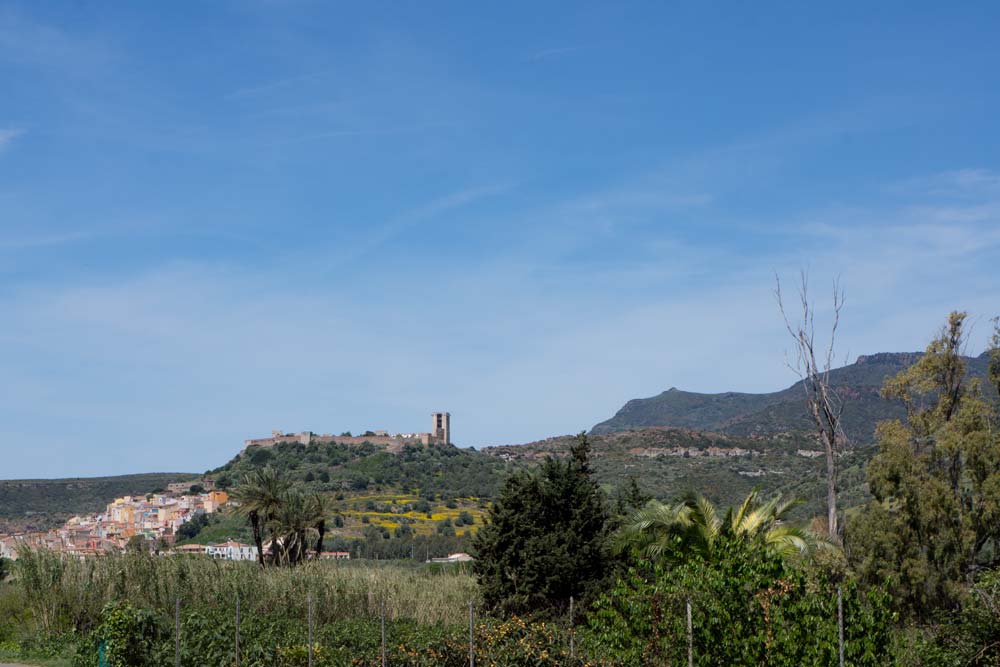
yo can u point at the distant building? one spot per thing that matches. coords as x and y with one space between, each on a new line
190 550
335 555
459 557
441 427
440 433
183 487
231 550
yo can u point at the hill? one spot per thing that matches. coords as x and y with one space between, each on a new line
39 504
754 415
436 469
666 462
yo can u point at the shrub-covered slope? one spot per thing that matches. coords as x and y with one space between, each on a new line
765 414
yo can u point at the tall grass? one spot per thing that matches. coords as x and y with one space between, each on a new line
67 594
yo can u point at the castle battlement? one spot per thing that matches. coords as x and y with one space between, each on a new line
440 434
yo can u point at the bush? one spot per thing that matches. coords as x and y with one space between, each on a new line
126 637
748 608
968 637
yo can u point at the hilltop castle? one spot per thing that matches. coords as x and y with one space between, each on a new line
440 434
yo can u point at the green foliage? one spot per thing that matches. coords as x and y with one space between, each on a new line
667 463
936 481
545 538
66 595
749 607
331 466
969 637
695 526
190 530
126 635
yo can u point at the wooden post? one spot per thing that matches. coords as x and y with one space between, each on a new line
310 603
572 630
840 625
237 630
472 635
384 659
690 635
177 633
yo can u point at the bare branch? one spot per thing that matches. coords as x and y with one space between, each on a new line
824 405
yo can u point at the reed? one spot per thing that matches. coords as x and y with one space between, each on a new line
66 594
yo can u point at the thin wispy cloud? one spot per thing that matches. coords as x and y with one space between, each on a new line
968 182
7 137
33 43
403 222
27 242
278 85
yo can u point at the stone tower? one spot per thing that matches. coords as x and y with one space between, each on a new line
441 427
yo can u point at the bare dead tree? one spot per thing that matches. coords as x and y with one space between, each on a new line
824 405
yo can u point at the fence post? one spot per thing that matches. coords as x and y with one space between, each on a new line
840 625
472 635
572 631
177 633
690 635
309 598
237 630
384 660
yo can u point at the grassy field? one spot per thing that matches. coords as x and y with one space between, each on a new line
49 610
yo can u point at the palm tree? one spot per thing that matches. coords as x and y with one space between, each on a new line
260 498
291 526
319 507
693 527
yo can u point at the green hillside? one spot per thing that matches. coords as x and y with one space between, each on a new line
668 462
443 470
38 504
767 414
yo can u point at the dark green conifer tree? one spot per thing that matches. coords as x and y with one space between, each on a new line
545 538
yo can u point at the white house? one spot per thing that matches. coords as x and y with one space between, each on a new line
453 558
231 551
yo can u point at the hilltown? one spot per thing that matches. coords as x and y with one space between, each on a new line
154 518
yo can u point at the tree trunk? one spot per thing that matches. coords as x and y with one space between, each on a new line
321 528
257 537
831 488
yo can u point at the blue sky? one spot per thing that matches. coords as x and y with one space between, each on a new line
222 218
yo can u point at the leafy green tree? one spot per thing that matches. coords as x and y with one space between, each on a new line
694 527
749 607
190 529
545 537
968 637
630 498
935 519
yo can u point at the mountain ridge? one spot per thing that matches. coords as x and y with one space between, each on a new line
762 414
